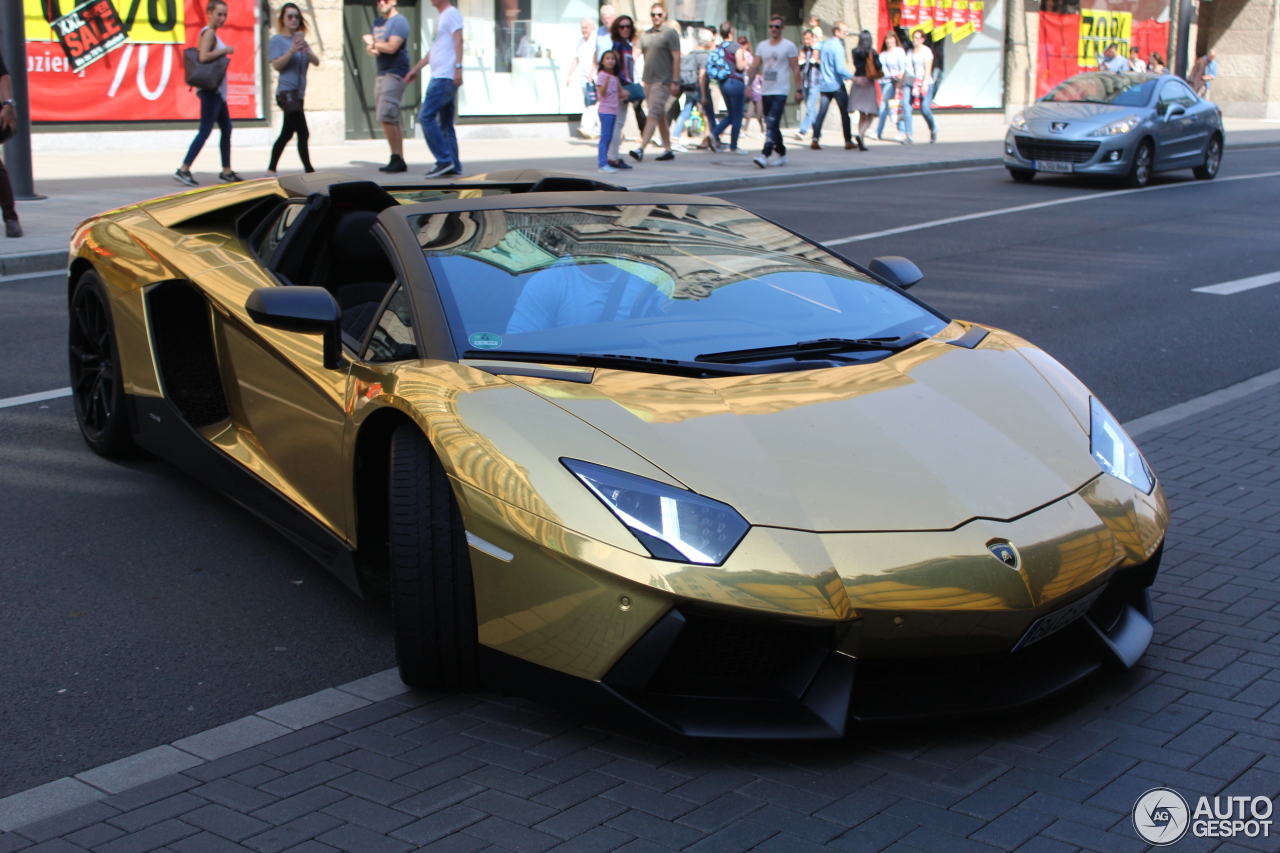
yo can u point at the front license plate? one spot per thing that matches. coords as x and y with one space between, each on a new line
1057 620
1052 166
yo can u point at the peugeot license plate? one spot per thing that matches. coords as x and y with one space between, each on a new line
1052 166
1057 620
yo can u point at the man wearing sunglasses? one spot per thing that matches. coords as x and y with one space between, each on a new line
774 59
661 48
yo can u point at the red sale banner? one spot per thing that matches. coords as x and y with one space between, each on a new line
142 81
975 14
910 14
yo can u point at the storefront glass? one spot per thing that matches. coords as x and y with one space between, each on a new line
967 38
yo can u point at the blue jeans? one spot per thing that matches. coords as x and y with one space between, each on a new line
436 118
841 97
887 91
690 99
606 136
773 107
926 110
734 92
811 97
212 110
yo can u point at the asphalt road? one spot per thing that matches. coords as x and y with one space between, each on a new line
138 607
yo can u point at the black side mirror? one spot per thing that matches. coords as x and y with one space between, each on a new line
306 310
896 270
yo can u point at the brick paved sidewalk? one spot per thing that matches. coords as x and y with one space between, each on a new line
472 771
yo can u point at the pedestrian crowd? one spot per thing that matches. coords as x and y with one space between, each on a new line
292 56
702 92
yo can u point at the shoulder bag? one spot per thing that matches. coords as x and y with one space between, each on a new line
874 70
204 75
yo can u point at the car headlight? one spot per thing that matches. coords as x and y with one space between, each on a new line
1114 451
673 524
1019 122
1116 128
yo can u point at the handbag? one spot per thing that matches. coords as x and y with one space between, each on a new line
290 101
635 92
204 75
588 94
874 69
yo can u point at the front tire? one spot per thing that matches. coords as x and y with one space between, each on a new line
1212 160
1143 160
97 383
433 599
1022 176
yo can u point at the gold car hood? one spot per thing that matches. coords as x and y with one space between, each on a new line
925 440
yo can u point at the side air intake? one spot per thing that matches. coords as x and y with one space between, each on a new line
182 335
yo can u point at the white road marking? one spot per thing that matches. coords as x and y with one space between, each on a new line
39 397
850 180
1106 194
1241 284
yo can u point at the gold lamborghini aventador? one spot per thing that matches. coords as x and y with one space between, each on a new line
650 452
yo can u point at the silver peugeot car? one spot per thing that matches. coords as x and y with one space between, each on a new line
1127 125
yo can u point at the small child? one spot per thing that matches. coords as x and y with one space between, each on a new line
609 98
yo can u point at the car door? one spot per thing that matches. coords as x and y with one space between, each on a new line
1175 130
288 407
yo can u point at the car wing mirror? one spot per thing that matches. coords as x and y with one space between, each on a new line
1174 111
305 310
897 271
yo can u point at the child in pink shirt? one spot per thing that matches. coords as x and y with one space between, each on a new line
609 96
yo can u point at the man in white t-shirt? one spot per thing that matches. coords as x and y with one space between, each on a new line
778 65
581 74
439 103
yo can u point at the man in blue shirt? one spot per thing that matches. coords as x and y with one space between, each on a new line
1114 62
568 293
389 45
835 73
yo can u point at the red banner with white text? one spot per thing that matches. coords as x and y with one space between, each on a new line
142 80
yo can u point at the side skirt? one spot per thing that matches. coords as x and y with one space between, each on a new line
161 429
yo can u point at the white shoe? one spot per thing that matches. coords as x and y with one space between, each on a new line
780 161
608 170
760 161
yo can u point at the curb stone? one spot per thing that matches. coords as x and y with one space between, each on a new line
33 262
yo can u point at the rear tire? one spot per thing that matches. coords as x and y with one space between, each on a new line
1141 170
1022 176
97 383
433 599
1212 160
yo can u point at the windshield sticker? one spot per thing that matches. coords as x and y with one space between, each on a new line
485 340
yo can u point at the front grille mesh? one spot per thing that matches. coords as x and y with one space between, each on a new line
1061 151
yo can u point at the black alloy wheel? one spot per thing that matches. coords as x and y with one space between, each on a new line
97 385
1212 160
1140 173
433 598
1022 176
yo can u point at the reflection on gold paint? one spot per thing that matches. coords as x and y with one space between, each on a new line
819 595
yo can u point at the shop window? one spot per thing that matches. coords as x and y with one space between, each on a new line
967 38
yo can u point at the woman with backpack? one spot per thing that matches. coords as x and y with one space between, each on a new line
862 97
290 55
213 102
725 66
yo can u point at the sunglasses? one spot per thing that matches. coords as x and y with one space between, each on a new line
624 26
775 26
657 14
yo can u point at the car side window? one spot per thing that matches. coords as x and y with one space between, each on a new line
273 231
392 338
1175 93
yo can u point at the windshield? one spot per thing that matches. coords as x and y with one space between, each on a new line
1121 90
654 281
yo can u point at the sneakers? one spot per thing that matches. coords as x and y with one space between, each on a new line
230 178
737 151
608 170
715 144
396 164
183 176
780 161
933 136
620 165
636 154
442 170
815 146
666 155
907 140
12 228
760 161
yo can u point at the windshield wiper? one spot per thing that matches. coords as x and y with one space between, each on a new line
811 349
644 364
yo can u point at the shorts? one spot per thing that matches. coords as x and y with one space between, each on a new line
656 96
388 90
